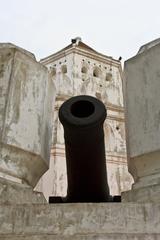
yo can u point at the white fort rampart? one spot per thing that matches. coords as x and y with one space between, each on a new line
22 214
26 98
141 94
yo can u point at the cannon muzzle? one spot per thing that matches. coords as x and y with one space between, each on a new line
82 118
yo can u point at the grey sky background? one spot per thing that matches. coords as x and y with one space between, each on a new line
112 27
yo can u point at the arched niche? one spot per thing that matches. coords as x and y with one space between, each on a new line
64 69
84 70
96 72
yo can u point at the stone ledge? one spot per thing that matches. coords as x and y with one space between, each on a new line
86 219
143 194
115 236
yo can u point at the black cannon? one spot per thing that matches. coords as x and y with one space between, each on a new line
82 118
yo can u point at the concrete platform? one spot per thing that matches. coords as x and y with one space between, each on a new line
101 221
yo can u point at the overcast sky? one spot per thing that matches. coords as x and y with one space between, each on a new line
112 27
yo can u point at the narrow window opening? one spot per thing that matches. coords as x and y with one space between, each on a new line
64 69
117 128
96 72
108 77
52 71
84 69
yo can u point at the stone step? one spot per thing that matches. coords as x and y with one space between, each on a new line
135 221
108 236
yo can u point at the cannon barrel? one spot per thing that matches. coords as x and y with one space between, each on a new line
82 118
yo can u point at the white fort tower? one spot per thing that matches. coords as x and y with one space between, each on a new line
80 70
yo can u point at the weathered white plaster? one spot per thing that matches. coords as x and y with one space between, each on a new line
142 87
26 100
91 73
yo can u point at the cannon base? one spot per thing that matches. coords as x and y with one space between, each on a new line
58 199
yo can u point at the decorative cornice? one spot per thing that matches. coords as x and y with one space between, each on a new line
97 56
63 97
108 160
115 118
116 162
62 149
117 155
115 108
109 116
109 106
